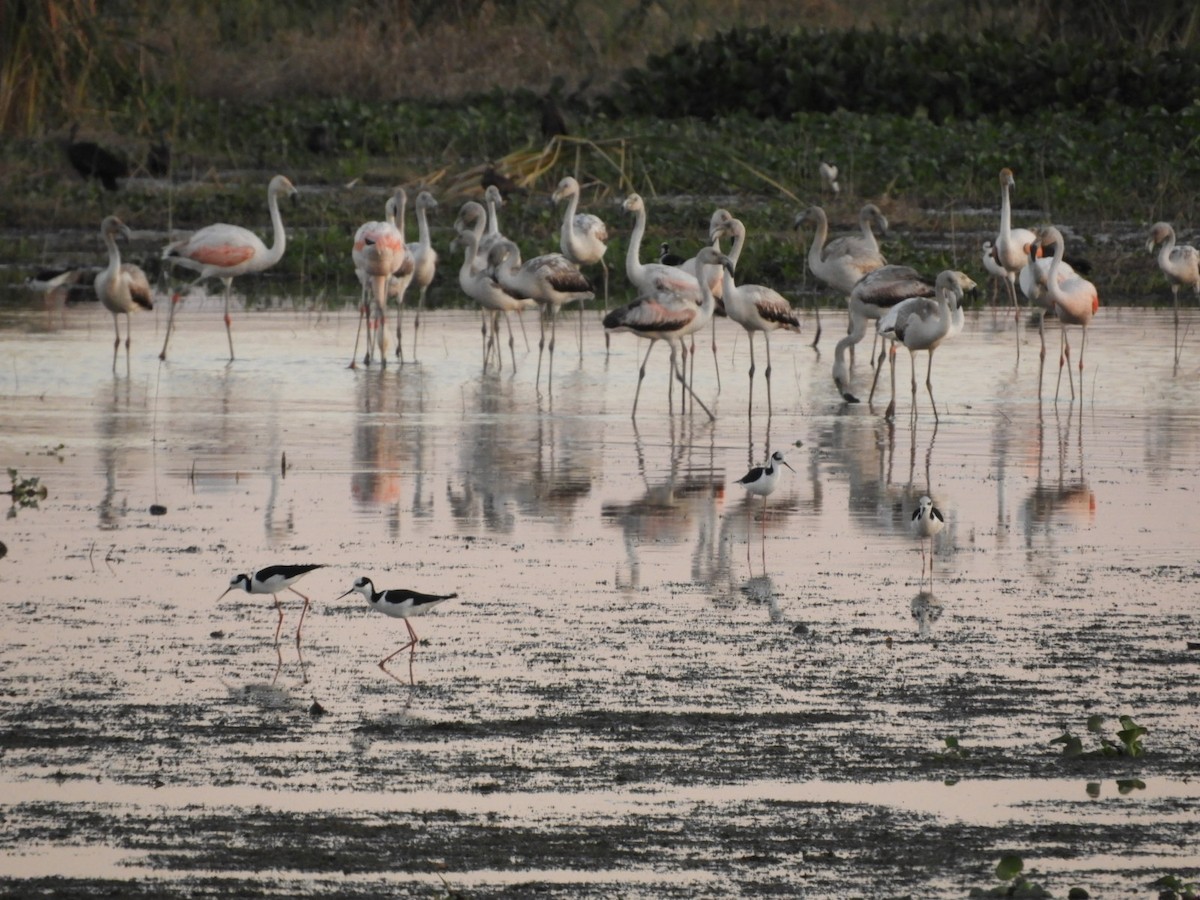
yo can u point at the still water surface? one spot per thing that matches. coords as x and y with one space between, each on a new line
602 565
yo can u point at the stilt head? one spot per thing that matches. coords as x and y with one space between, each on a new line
778 460
361 585
242 581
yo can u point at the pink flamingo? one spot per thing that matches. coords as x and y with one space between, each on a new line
668 313
379 254
424 259
226 251
122 287
1075 301
1181 265
1011 249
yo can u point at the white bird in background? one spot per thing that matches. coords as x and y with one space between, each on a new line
424 258
651 277
379 254
667 315
757 308
927 523
583 237
122 287
1075 301
226 251
1180 263
1012 244
840 263
478 284
550 280
876 293
922 323
720 224
996 272
829 175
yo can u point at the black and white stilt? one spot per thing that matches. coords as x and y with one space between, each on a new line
272 580
399 604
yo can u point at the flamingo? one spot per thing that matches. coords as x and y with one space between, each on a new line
757 308
669 314
650 277
550 280
721 224
226 251
991 265
842 262
922 323
876 293
868 215
379 254
583 237
424 258
1075 301
1012 244
480 286
1181 265
122 287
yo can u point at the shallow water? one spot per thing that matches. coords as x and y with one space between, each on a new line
637 664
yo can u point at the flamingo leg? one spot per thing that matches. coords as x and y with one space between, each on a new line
417 318
716 362
553 338
511 343
641 378
228 322
767 341
607 335
1062 341
117 341
537 380
175 298
684 386
750 405
878 365
891 408
362 313
929 385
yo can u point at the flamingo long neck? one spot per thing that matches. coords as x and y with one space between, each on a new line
423 227
739 241
1166 249
114 256
493 221
708 301
279 242
729 292
1052 286
1005 210
401 212
816 250
572 208
633 262
470 250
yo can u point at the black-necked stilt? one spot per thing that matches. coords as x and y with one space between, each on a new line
272 580
762 480
399 604
927 521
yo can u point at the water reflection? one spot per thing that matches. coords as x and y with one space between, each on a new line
686 498
926 609
1065 498
506 468
121 428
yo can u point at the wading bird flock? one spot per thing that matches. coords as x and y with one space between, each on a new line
674 297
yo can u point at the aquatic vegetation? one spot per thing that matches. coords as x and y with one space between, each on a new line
1128 741
1172 887
26 493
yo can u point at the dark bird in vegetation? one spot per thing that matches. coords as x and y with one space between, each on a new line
667 258
319 139
501 182
553 123
158 157
91 160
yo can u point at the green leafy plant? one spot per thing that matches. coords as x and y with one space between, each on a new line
1128 741
1009 870
1175 887
26 493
